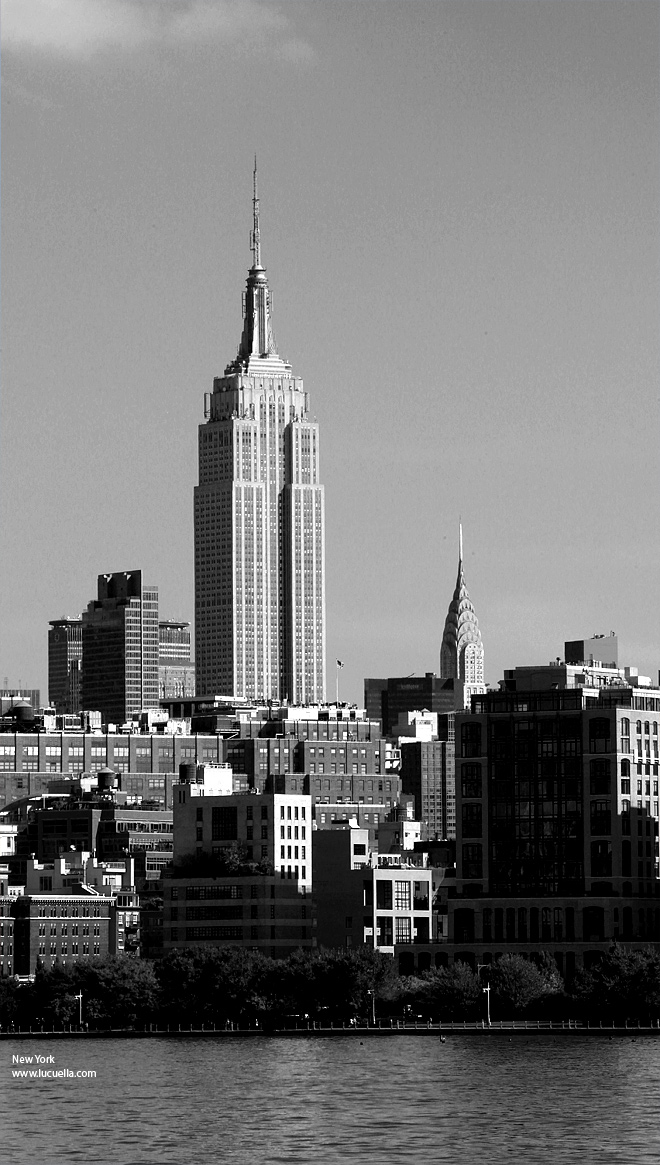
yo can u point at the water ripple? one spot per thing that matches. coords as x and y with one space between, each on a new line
336 1101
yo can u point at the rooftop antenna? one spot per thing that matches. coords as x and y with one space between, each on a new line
255 241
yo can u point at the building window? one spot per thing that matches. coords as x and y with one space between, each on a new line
599 735
599 777
384 894
402 896
601 859
472 861
403 930
224 823
558 925
470 740
487 924
471 820
471 781
601 817
384 933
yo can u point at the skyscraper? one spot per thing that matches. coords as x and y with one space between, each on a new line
176 672
259 521
64 663
462 650
120 647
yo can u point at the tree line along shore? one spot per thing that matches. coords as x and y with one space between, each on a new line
231 986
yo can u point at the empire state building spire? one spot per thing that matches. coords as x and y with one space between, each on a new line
259 521
462 650
256 236
257 352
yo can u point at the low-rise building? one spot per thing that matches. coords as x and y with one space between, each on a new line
242 873
274 828
62 927
259 911
74 908
366 898
147 763
338 814
6 931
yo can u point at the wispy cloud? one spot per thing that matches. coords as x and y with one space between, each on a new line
82 28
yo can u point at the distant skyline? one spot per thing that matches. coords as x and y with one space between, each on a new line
459 220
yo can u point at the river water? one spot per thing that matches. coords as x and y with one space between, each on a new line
481 1097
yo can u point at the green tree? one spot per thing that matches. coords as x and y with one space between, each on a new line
331 985
117 992
517 983
455 992
230 862
624 985
15 1003
213 984
413 992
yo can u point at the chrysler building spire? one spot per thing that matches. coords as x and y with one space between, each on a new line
462 650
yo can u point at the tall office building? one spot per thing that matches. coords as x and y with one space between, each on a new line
259 521
64 664
176 671
173 641
462 650
120 647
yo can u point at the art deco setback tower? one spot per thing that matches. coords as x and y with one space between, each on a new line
462 650
259 521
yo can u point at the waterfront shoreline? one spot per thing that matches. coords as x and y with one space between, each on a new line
504 1027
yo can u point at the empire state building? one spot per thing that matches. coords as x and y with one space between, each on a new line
259 521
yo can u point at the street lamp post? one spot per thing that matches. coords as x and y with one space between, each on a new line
486 991
79 998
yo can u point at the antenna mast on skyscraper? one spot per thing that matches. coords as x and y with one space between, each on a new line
255 241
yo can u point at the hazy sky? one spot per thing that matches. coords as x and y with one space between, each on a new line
460 226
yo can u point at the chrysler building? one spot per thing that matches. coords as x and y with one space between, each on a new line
259 521
462 650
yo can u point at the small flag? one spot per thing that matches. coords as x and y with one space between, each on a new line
339 663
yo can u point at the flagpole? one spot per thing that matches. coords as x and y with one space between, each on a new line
338 666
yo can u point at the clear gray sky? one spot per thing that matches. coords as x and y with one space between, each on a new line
460 225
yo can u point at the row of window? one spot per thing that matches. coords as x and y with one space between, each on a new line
64 929
646 727
390 931
600 813
288 855
599 779
63 949
60 911
296 831
553 924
